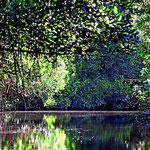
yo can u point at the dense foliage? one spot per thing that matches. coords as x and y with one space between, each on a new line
66 27
74 54
98 83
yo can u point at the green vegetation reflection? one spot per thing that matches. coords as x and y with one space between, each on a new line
65 132
43 138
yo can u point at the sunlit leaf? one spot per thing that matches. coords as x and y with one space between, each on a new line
115 9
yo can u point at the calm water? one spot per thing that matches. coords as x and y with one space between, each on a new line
43 131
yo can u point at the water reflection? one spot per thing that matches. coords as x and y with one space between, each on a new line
41 131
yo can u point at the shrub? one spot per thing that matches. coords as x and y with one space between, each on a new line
92 86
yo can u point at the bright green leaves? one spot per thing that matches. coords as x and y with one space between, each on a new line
23 4
118 17
111 5
115 10
45 16
95 35
7 2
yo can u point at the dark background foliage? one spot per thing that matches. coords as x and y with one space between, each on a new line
100 83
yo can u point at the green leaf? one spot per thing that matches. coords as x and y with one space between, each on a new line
120 17
7 2
45 16
23 4
30 1
130 29
111 5
142 54
115 10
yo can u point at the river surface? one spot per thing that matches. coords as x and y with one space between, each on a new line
73 131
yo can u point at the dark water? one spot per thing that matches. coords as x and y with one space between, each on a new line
43 131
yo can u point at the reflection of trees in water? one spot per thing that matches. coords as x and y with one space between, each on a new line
122 132
37 130
32 131
139 138
15 125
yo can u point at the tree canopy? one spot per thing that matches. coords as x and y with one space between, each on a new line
55 27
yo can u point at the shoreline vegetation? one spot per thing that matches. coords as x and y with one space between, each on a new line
74 55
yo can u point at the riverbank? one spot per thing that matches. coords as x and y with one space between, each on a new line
77 111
